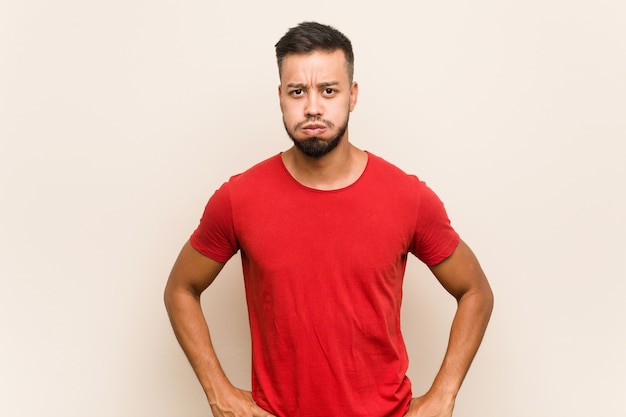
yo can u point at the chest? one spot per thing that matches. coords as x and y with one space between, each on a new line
365 232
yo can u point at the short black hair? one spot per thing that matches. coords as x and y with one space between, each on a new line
312 36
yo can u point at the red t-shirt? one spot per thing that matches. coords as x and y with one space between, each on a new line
323 273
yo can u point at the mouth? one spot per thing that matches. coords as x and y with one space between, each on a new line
313 128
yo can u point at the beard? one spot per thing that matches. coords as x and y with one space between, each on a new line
316 147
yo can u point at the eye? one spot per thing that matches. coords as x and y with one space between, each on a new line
329 91
297 92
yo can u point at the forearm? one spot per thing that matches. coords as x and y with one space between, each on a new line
193 334
467 331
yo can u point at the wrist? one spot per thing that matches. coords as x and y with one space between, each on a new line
216 386
445 392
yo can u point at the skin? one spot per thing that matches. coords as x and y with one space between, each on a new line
316 96
317 87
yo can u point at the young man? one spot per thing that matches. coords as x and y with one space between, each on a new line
324 231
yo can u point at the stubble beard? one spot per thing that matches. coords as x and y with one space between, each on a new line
316 147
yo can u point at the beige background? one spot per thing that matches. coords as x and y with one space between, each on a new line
118 119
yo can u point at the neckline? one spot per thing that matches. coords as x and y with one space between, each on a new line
317 190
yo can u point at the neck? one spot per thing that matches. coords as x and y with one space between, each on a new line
338 169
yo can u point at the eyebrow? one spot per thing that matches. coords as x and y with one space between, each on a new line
303 86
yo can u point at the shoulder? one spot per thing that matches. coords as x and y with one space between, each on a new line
270 165
394 183
259 181
383 171
257 175
249 178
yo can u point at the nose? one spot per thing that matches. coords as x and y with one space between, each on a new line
313 106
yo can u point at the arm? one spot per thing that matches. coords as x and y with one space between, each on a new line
462 276
191 275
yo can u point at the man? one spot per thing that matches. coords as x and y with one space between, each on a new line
324 231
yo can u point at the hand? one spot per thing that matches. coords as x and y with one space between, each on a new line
428 406
238 403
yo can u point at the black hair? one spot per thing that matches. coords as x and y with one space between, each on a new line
312 36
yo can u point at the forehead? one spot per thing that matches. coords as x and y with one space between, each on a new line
321 65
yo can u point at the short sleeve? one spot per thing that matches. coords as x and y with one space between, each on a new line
215 236
434 239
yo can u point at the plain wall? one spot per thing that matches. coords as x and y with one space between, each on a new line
118 120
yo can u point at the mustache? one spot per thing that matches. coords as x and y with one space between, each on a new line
317 120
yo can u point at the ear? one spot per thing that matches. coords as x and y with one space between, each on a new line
280 97
354 94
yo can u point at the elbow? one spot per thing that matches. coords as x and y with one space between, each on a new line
488 300
167 296
170 295
177 295
481 297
